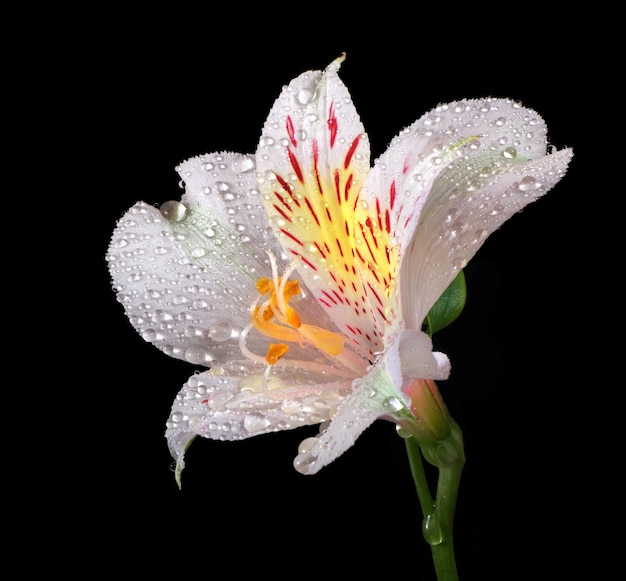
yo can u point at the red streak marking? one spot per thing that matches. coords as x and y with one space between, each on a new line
392 194
405 167
325 303
280 211
326 246
295 165
282 201
354 287
382 314
380 220
302 258
388 254
333 277
338 296
347 327
339 246
319 249
375 294
348 158
332 125
287 233
316 169
347 189
346 267
312 210
347 228
331 299
338 186
287 188
387 221
291 132
360 257
205 401
368 244
328 214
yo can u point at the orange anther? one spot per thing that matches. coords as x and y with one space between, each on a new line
275 352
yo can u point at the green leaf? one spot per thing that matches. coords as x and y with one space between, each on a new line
448 307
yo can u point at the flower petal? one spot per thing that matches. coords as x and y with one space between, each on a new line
312 160
186 274
237 401
351 419
468 202
401 178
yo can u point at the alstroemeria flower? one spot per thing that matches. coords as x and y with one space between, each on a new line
300 276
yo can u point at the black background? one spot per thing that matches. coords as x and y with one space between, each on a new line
144 92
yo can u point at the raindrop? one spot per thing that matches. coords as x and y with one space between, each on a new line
255 422
509 153
529 184
220 331
196 354
174 211
305 96
431 529
392 404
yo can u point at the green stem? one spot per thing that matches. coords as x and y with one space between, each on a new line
438 520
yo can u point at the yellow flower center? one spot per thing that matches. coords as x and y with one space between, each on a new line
277 319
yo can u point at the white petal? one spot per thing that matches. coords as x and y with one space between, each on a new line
417 359
233 403
312 159
186 274
466 204
188 311
351 419
420 152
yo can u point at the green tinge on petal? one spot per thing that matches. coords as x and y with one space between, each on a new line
180 464
448 306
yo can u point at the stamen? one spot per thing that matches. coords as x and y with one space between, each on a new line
275 352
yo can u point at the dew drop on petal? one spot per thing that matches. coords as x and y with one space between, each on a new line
174 211
196 355
255 422
509 153
220 331
528 184
392 404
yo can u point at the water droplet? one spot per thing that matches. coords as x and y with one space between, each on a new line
403 432
220 331
219 399
509 153
198 252
392 404
305 96
174 211
255 422
431 529
303 463
529 184
197 355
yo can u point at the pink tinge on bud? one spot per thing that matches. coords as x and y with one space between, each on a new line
428 406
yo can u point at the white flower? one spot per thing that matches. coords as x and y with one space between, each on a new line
300 276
